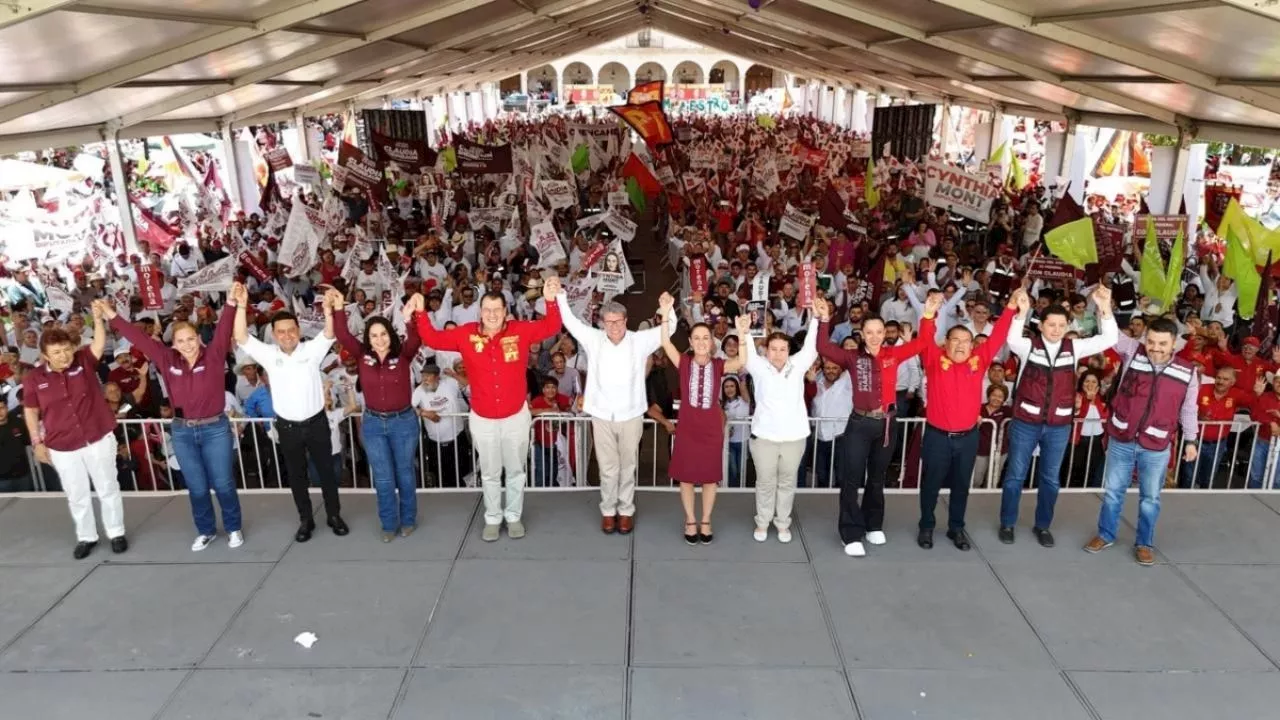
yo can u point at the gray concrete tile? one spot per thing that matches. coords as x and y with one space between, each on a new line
660 531
368 614
39 530
520 612
1270 499
442 521
1095 616
79 695
260 694
950 694
560 526
128 617
926 616
269 522
1180 696
514 693
1247 594
1217 527
31 591
721 613
701 693
1075 521
5 502
818 514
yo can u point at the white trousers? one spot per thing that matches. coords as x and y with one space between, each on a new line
94 463
777 464
502 444
617 453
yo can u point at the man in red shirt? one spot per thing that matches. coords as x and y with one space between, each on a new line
954 374
1217 406
72 429
1248 366
495 352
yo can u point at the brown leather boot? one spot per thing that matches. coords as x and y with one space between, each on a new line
626 523
608 524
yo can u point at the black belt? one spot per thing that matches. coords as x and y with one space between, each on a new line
393 413
283 423
871 414
948 433
197 422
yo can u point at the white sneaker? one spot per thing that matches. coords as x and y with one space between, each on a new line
784 535
201 542
876 537
235 539
761 535
855 549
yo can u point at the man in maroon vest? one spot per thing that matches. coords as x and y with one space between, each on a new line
1044 408
1157 393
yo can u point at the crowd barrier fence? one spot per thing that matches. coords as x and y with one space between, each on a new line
561 457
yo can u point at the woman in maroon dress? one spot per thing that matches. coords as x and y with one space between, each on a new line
698 457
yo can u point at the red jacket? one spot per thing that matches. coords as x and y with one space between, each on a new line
1082 412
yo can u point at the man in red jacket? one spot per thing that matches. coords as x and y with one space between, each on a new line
495 352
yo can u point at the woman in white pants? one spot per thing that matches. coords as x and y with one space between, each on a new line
779 426
72 428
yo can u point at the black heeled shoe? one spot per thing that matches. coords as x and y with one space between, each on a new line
705 538
688 538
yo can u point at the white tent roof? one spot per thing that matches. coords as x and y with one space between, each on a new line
74 69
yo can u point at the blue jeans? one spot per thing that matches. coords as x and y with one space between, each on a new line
1258 466
1023 438
1211 451
391 443
546 463
1122 458
735 464
204 452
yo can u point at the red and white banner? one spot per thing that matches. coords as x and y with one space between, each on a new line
698 275
806 285
593 255
150 282
250 262
278 159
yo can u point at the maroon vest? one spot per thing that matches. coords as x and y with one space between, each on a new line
865 379
1046 391
1147 405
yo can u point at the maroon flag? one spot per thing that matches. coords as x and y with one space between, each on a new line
698 275
278 159
250 262
410 154
150 282
158 235
361 172
807 284
477 159
270 193
1264 314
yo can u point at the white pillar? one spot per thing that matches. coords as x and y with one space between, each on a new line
861 114
1059 151
1193 191
996 132
232 167
1169 175
424 103
944 127
524 76
300 124
120 185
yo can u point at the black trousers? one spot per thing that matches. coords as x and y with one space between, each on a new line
867 446
948 462
297 441
448 462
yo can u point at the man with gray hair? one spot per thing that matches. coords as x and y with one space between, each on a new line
615 399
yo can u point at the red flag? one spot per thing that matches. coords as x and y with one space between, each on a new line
647 92
1264 316
634 168
151 229
649 120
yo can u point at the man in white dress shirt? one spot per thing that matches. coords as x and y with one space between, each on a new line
616 401
297 396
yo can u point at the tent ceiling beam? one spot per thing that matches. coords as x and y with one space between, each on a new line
192 18
16 11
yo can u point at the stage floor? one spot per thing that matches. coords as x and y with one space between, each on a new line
571 624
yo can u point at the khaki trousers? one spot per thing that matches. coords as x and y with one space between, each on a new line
776 466
617 454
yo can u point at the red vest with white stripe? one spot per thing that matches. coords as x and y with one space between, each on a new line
1046 391
1147 405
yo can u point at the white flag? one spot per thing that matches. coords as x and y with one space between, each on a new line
214 277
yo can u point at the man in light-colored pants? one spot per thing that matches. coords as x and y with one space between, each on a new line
502 445
776 467
617 453
94 463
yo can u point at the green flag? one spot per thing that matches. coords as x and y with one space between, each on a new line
869 192
1073 242
636 193
1237 264
1151 281
766 121
581 160
1173 275
449 159
997 155
1017 178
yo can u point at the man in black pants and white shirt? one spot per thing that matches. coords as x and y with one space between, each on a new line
297 396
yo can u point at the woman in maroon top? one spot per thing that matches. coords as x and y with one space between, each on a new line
390 426
195 375
697 458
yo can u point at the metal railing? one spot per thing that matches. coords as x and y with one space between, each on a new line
561 457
